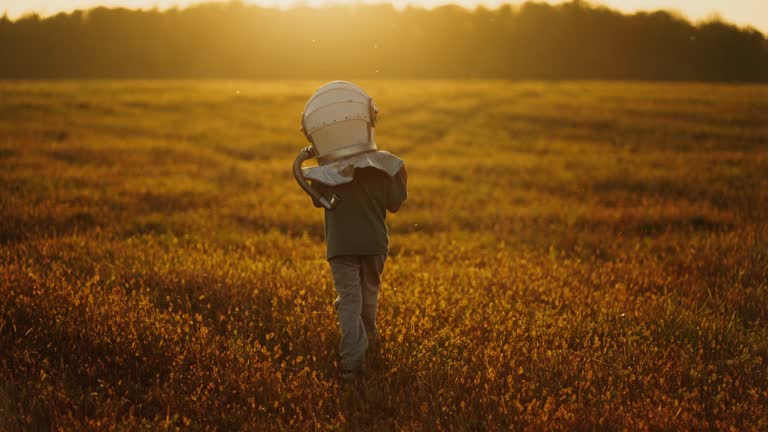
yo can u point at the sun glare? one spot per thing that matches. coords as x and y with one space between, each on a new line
742 12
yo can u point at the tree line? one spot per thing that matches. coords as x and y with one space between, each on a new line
573 40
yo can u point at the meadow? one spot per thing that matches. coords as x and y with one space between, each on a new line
572 256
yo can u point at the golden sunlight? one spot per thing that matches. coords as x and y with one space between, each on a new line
742 12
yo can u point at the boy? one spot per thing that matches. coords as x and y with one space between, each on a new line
356 184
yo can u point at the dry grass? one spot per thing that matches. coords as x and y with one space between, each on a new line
572 256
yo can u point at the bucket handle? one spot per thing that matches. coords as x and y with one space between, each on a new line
305 154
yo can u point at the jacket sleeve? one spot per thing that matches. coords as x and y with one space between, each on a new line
398 192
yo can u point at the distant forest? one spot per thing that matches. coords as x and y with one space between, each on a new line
573 40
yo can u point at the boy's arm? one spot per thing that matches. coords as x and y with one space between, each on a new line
398 190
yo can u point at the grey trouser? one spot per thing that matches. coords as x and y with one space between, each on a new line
357 279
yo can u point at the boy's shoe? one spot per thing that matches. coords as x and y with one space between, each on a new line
349 374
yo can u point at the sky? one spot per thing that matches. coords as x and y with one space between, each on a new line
752 13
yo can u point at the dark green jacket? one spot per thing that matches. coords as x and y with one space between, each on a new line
357 226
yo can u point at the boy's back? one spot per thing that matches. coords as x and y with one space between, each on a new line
358 225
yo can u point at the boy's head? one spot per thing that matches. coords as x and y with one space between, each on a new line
338 120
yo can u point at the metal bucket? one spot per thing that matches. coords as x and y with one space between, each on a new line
338 121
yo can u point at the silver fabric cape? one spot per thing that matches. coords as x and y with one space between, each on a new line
343 170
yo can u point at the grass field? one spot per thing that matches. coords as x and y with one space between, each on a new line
572 256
